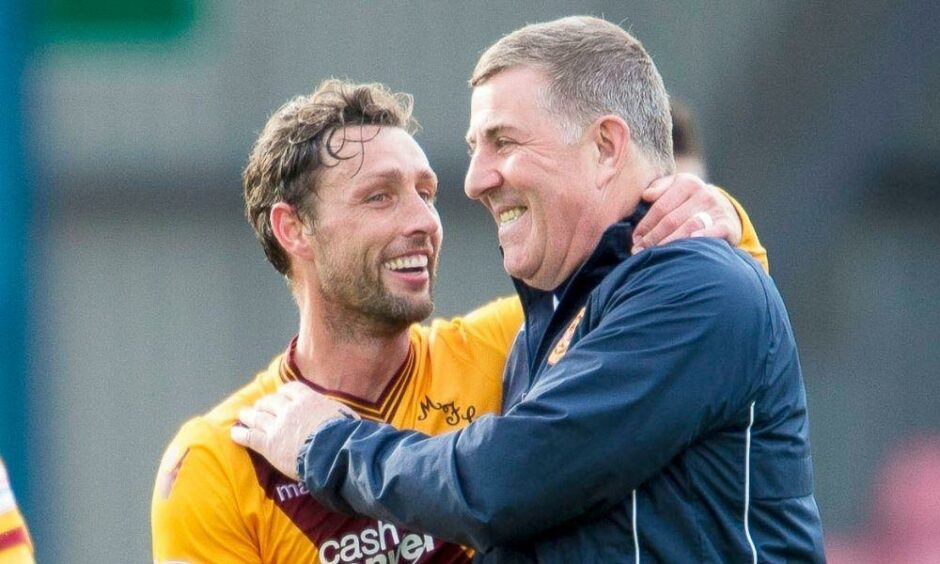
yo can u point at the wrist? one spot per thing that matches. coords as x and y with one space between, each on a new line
301 465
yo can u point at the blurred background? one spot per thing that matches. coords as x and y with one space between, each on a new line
134 296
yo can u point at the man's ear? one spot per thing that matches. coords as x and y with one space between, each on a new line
289 228
612 141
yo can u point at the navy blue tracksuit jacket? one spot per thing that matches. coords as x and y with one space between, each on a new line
654 411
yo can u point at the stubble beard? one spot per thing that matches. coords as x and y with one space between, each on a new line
362 305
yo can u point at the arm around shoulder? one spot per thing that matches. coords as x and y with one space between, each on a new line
750 243
582 439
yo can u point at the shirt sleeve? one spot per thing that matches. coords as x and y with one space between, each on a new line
495 324
15 544
750 244
194 513
653 374
19 553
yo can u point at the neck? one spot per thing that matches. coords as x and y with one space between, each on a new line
625 194
344 353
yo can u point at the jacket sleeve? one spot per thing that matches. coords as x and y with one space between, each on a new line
650 377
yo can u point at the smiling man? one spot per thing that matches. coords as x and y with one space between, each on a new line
654 408
341 198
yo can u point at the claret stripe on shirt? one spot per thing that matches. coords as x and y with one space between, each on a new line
383 409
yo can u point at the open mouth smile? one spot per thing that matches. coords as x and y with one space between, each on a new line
511 214
408 264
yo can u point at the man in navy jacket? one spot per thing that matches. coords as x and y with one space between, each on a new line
654 408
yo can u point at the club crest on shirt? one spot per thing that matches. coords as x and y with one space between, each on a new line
561 347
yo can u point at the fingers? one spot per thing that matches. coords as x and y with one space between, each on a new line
248 437
705 218
252 430
669 211
668 195
684 206
255 419
709 227
716 231
659 209
681 223
658 187
294 406
239 435
727 224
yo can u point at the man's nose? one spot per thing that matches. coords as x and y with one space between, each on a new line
422 216
482 175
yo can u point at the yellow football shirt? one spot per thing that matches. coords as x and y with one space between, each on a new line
15 544
215 501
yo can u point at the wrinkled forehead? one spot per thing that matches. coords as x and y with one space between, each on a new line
511 97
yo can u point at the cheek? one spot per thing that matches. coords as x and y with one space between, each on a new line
346 251
522 170
555 221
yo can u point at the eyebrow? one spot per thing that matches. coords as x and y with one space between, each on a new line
397 175
489 132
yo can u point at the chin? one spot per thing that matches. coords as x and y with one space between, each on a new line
423 314
415 310
514 268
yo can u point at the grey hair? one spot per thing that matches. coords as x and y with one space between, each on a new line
594 68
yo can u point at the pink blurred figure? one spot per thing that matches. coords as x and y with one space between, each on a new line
904 523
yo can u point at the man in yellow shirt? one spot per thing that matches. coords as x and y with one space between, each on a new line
342 200
15 544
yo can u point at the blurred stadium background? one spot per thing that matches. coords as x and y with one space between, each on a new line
133 295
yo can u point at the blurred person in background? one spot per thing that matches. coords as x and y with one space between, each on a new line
686 145
654 408
690 159
16 547
341 198
904 519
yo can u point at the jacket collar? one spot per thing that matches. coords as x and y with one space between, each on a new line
540 305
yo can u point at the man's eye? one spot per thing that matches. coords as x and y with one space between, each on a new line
502 143
377 198
428 197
